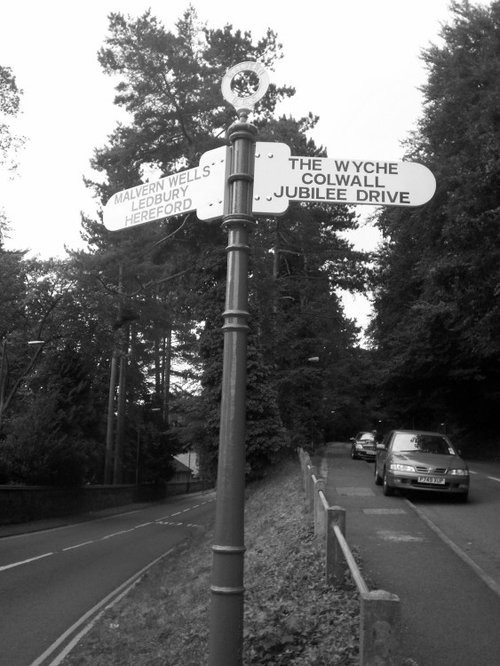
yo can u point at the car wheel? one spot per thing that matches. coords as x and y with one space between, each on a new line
462 498
378 480
353 454
388 490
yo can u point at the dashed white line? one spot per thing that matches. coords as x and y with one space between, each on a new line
493 478
108 536
18 564
78 545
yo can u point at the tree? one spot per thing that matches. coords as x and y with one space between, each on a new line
52 442
169 82
436 293
10 96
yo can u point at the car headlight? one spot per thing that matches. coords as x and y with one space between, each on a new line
359 446
399 467
459 472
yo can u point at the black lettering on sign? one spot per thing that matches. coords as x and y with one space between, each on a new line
382 196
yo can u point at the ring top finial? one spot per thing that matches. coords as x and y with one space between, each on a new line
245 104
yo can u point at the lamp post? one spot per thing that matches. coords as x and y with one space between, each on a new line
7 396
312 359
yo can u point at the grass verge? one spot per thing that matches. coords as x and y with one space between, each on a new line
292 617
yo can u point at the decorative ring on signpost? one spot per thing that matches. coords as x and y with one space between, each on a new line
245 104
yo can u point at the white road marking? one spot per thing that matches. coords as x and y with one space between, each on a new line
92 615
488 580
178 513
18 564
393 535
78 545
383 512
108 536
492 478
172 524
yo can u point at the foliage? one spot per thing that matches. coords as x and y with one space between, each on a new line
51 443
169 82
437 315
10 96
151 297
294 617
291 616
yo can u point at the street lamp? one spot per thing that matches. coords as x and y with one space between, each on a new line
312 359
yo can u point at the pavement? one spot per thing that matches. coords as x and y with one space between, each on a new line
450 617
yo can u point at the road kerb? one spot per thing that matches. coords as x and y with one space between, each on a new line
487 580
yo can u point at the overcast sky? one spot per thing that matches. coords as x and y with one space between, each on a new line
355 63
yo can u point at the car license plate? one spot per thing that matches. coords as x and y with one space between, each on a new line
431 479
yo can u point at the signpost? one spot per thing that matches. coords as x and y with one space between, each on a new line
250 178
200 189
281 178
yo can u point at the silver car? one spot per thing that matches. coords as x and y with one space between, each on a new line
363 446
420 460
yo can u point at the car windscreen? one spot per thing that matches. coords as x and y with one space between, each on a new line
425 443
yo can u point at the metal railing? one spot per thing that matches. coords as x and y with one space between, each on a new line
380 612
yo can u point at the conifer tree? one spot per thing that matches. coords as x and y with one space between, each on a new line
169 83
437 315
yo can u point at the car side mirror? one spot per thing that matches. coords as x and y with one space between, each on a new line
380 447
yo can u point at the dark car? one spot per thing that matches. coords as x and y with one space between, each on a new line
420 460
363 446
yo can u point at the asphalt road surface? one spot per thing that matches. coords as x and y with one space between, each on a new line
53 582
439 556
473 527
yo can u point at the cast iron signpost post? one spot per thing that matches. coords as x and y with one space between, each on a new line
236 182
226 613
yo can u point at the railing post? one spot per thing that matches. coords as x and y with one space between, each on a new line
335 561
305 471
379 628
319 524
309 488
303 466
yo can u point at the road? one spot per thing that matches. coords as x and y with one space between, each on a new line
472 527
53 582
440 557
